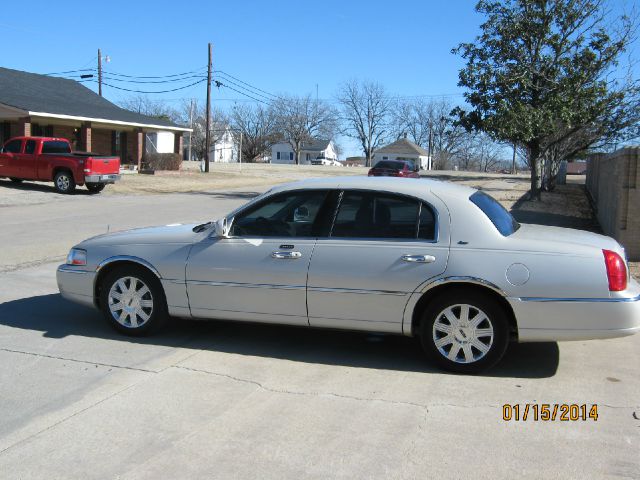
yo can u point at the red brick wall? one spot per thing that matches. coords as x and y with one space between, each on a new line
101 141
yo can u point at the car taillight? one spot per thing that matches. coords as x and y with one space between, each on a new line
616 271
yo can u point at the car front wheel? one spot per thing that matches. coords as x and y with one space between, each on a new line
464 332
133 301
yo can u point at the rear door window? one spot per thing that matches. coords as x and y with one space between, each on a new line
378 215
30 147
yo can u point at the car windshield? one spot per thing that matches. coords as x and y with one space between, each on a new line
499 216
389 164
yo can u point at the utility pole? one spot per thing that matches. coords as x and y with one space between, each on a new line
190 126
513 162
99 72
207 141
240 153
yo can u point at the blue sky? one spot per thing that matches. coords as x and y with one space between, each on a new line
278 46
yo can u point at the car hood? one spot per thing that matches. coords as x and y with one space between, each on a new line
175 233
566 236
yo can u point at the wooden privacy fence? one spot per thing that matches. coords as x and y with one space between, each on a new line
612 182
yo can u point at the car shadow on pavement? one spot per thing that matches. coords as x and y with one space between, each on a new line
56 317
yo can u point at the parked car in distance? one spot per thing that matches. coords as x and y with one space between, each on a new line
48 159
439 261
326 161
394 168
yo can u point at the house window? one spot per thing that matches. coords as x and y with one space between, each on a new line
385 158
278 155
291 156
308 157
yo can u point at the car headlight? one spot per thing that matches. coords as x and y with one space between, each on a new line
77 256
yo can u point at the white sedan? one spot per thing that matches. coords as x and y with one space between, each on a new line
414 257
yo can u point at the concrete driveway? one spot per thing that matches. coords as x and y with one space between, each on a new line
224 400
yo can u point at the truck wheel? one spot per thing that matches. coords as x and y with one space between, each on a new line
16 180
95 187
64 182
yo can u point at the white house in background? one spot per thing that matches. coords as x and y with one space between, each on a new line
403 149
159 142
224 149
315 150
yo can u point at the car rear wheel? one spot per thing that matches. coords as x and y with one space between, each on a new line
133 301
95 187
64 182
464 331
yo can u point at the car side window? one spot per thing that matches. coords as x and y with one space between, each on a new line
377 215
13 146
30 147
291 214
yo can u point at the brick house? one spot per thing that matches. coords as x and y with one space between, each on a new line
39 105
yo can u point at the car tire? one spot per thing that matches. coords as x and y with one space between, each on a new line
15 180
64 182
95 187
464 331
133 301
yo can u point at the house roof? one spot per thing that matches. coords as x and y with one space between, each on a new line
42 95
403 146
316 145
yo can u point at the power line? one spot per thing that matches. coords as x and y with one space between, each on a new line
199 70
71 71
248 84
220 84
152 81
246 89
154 91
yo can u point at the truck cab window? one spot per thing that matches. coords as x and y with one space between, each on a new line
30 147
13 146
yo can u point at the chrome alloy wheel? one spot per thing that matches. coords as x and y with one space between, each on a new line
463 333
63 183
130 302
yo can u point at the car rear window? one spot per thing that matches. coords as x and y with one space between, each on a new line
498 215
55 146
389 164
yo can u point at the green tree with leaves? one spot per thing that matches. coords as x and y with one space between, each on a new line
544 75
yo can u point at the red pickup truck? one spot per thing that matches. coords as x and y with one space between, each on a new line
48 159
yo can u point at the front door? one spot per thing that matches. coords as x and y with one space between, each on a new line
259 273
382 247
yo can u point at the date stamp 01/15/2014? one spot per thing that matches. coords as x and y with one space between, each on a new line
549 412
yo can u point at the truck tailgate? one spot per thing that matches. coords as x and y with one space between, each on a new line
102 165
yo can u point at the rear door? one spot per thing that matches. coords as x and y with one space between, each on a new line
381 248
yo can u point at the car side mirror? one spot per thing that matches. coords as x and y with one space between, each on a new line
223 227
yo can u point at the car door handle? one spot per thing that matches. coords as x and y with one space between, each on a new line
286 255
418 258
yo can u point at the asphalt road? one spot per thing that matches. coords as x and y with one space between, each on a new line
225 400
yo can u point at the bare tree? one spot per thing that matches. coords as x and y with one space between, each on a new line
193 114
154 108
258 127
366 108
429 123
300 119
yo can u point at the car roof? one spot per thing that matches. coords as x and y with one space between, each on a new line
409 186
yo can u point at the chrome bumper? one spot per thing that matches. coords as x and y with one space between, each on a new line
75 284
554 319
101 178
